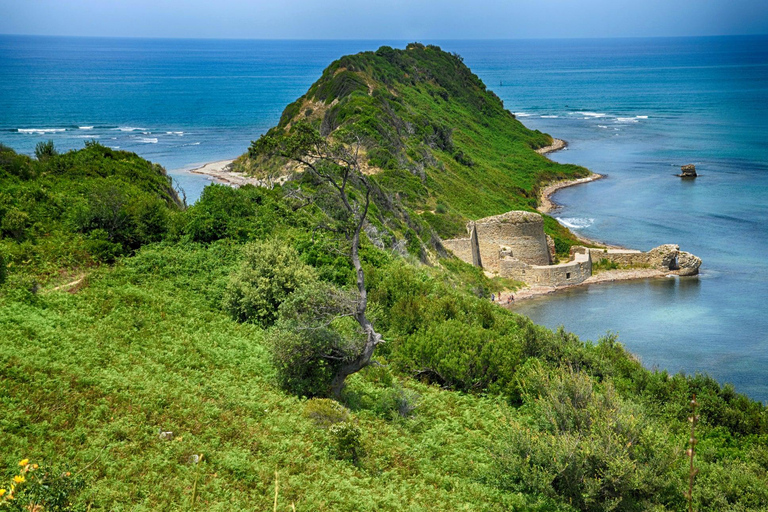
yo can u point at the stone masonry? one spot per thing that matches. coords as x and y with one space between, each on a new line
514 245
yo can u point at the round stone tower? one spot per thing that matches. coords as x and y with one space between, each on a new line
518 234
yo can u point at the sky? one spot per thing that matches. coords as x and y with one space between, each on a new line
383 19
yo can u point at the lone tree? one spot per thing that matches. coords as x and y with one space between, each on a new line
335 162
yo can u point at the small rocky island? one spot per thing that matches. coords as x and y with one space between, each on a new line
688 171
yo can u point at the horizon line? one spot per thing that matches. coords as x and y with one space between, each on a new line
756 34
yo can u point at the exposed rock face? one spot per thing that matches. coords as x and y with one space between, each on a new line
688 171
688 263
664 257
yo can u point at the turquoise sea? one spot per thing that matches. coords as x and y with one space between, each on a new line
633 109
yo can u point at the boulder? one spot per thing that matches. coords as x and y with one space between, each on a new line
688 264
688 171
664 257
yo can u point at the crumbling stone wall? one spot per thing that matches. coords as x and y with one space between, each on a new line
460 247
565 274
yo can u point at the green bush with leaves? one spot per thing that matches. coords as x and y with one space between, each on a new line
347 441
269 273
589 447
45 150
313 337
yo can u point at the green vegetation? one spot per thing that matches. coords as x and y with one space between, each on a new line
79 209
196 368
434 137
604 264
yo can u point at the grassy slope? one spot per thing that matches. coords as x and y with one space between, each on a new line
88 380
93 376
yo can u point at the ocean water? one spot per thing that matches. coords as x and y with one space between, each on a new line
632 109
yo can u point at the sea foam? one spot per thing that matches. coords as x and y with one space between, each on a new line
41 131
147 140
576 222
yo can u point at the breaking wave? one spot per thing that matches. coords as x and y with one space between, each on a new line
41 131
576 222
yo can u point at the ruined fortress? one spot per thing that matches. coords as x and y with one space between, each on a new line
514 245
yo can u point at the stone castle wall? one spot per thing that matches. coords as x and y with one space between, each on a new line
519 234
573 272
460 247
514 245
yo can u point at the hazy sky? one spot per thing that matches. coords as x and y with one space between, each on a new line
387 19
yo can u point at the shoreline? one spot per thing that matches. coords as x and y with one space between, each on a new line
557 145
221 172
547 205
604 277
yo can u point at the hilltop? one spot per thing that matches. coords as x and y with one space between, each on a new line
435 138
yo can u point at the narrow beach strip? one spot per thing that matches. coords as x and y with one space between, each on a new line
557 145
546 203
221 172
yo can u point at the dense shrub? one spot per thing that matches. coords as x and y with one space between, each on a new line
45 150
347 441
591 449
325 412
240 214
270 272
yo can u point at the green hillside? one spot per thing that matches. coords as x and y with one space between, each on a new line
161 357
435 137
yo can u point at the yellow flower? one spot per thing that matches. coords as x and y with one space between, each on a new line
23 462
2 491
19 479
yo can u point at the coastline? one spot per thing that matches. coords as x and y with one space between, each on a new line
221 172
606 276
547 205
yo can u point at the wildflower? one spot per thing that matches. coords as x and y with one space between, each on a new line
2 491
19 479
23 462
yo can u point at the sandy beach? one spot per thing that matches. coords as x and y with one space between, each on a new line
220 172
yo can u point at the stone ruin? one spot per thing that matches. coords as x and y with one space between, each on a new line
514 245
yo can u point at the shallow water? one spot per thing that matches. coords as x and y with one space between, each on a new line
633 109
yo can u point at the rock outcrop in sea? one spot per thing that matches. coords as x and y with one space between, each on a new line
688 171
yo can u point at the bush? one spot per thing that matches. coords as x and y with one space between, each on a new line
462 356
325 412
605 264
347 441
44 150
270 272
314 337
591 449
3 270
